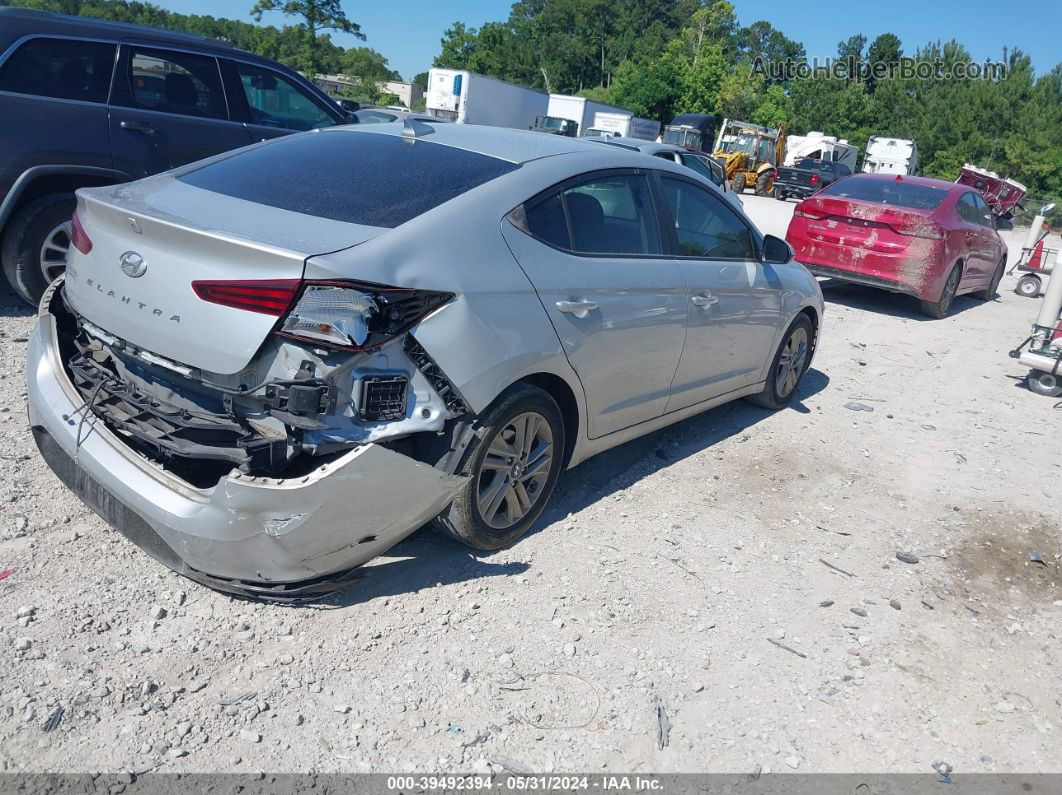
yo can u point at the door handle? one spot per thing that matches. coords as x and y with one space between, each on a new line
577 308
138 126
706 299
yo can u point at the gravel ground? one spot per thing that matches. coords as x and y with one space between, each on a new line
737 573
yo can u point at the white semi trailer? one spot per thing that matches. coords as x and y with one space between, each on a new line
890 155
467 98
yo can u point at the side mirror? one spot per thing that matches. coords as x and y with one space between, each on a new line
777 251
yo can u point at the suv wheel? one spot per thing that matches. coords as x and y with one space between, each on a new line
36 244
512 469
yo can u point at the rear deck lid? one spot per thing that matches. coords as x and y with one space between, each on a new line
152 239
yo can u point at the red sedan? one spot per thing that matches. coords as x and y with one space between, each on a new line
923 237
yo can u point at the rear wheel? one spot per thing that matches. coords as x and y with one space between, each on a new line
1028 286
780 194
1044 383
788 366
764 183
990 292
737 184
512 469
939 309
36 245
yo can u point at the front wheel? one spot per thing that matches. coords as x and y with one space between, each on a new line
1044 383
512 468
788 366
1028 286
939 309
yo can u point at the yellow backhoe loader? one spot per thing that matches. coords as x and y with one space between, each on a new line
749 154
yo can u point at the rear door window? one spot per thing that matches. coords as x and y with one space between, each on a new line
277 101
175 82
345 175
704 226
612 215
60 68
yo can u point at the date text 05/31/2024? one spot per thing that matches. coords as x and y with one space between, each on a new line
525 783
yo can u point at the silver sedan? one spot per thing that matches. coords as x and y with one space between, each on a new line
265 377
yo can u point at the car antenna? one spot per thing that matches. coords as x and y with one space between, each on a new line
416 129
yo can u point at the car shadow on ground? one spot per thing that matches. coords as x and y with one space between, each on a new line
884 302
426 559
10 304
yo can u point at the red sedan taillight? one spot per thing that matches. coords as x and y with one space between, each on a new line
79 239
803 212
339 314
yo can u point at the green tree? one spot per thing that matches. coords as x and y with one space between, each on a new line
317 15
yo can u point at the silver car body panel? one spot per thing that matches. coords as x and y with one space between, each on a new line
497 330
260 529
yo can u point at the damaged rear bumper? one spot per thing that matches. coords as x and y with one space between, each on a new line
266 537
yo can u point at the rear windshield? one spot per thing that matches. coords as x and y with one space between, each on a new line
361 178
886 191
817 165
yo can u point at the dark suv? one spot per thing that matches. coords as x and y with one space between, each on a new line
85 102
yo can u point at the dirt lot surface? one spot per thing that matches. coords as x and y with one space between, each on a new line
737 573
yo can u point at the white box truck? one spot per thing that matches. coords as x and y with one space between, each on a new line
890 155
625 125
571 115
467 98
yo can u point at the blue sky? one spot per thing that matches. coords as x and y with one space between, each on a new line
408 32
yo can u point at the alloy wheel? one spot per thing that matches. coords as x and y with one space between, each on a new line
54 251
791 362
513 473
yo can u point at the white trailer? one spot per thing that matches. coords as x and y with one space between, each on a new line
890 155
467 98
819 146
626 125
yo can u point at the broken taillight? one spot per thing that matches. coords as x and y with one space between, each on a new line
79 238
356 316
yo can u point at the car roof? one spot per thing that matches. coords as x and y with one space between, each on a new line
926 182
515 146
18 22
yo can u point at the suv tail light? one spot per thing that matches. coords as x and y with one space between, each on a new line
339 314
79 239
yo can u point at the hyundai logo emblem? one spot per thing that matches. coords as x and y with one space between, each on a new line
133 264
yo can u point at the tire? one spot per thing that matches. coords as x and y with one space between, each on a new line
1028 286
1044 383
737 184
24 254
939 309
788 366
764 183
780 194
990 292
501 522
